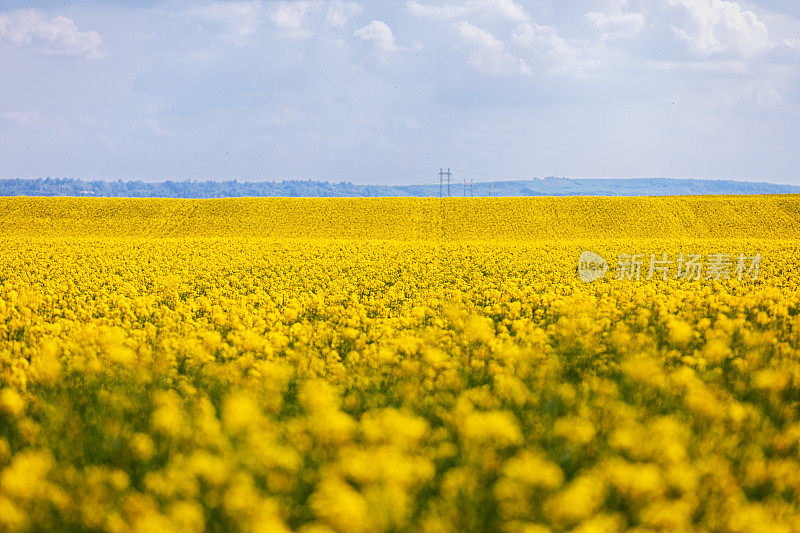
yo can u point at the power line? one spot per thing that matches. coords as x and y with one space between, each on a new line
442 176
449 175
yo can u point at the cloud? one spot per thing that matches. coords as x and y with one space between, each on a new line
241 20
152 127
489 54
510 9
505 9
380 34
22 118
339 13
289 15
720 26
765 93
617 25
716 67
558 54
57 36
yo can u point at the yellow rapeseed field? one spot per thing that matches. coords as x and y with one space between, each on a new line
368 365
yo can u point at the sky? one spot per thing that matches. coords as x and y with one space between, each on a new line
389 91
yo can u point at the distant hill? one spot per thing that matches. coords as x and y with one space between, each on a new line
533 187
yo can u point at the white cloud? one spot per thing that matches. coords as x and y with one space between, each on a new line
561 56
489 54
289 15
292 19
56 36
152 127
719 26
380 34
506 9
617 25
241 20
22 118
766 94
448 12
718 67
339 13
757 93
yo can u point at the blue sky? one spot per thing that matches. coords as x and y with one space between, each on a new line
387 92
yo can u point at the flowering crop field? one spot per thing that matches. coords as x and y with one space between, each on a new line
399 365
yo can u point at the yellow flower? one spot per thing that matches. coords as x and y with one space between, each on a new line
338 505
11 402
498 428
239 410
577 501
26 477
142 446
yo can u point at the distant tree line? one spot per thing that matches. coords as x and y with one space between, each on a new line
550 186
182 189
